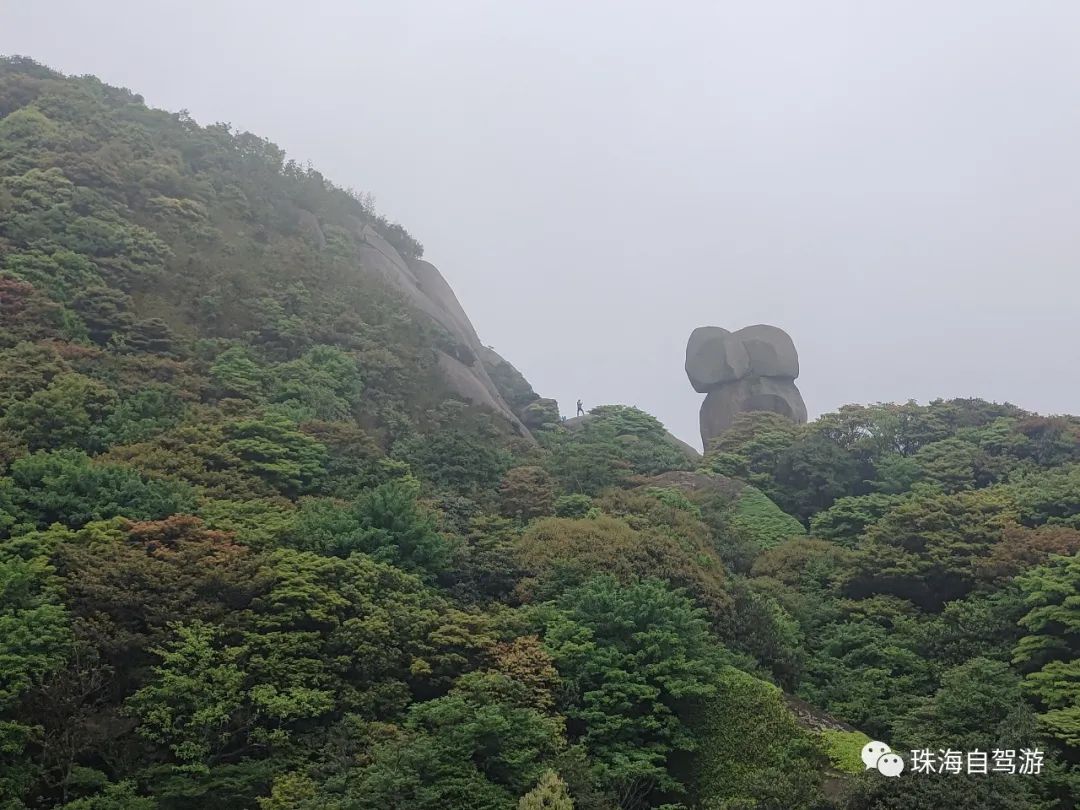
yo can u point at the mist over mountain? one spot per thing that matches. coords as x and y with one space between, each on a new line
278 530
885 183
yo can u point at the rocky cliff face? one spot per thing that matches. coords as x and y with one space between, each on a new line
462 363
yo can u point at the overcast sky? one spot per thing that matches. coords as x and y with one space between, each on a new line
896 185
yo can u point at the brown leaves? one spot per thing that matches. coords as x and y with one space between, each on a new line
123 593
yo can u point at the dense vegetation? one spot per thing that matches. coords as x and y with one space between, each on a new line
253 554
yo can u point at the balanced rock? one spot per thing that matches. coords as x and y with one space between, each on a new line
723 404
712 359
770 349
752 369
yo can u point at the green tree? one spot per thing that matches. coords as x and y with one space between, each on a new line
752 752
143 414
35 639
194 702
977 706
865 673
61 272
27 368
1050 652
983 625
931 792
322 639
117 796
811 474
485 564
67 487
614 443
71 412
750 449
955 464
527 492
632 658
235 373
362 630
273 449
150 336
849 517
925 548
572 506
325 383
456 460
761 627
104 312
26 314
562 553
127 582
1051 496
550 793
479 746
294 791
387 522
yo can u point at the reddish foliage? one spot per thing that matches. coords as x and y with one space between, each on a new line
1022 548
25 313
124 592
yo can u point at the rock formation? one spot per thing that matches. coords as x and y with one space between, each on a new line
753 369
426 291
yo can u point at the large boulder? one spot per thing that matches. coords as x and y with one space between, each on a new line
725 402
751 369
712 359
770 350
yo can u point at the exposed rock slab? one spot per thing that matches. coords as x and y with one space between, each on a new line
463 381
514 388
426 291
698 483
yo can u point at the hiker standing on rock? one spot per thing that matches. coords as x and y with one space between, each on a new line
580 410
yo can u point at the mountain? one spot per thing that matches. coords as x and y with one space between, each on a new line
278 531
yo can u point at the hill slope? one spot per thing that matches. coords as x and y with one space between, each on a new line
273 534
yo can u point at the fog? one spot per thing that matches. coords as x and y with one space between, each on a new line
895 185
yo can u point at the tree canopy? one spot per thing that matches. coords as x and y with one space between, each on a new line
256 553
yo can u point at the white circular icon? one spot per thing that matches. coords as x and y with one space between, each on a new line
872 751
890 764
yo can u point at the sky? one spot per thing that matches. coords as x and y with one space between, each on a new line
895 185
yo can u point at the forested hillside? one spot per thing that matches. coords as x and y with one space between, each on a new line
256 551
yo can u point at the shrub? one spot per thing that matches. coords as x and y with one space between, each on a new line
762 521
67 487
572 506
752 750
526 493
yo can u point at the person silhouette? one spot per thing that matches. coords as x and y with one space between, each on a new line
580 410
